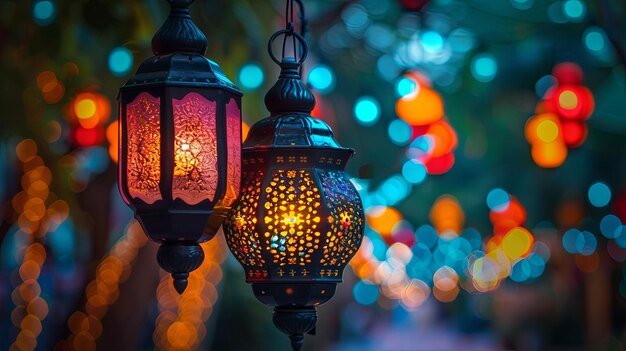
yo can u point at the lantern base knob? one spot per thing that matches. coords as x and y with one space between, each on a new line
295 322
180 259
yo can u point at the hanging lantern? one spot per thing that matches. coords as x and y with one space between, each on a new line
180 144
299 219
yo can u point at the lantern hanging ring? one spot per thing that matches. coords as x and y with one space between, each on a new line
287 33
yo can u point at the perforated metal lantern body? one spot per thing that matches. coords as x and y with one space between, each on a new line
299 219
180 144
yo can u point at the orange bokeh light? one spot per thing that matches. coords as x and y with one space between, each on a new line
382 219
446 215
422 107
549 155
444 138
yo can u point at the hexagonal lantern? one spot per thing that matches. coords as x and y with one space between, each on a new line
180 144
299 219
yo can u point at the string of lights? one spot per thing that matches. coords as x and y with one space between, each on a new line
85 326
38 211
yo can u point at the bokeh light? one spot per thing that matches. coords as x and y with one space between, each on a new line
365 293
484 67
250 76
586 243
405 86
498 200
44 12
594 39
414 171
599 194
575 10
120 61
366 111
611 226
399 132
322 79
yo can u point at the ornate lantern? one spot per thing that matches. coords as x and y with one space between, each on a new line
180 144
299 219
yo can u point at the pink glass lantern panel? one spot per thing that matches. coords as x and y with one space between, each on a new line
233 129
195 149
143 164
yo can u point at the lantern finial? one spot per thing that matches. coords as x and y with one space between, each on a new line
295 322
179 33
179 259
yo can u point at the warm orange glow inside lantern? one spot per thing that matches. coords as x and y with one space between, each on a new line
299 219
180 144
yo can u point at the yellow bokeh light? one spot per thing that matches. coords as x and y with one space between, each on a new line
547 131
568 100
85 108
517 243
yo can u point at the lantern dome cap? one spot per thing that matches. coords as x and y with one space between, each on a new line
179 60
290 103
289 94
179 33
291 129
181 69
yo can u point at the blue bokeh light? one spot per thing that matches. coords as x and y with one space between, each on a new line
427 235
365 293
498 200
414 172
405 86
574 9
521 271
586 243
399 132
599 194
395 189
594 39
611 226
366 111
251 76
44 12
432 41
322 79
537 265
569 240
543 84
484 67
120 61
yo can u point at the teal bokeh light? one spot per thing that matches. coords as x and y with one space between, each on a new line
399 132
120 61
322 79
366 111
44 12
250 76
484 67
599 194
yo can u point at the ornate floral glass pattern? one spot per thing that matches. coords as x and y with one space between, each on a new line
291 203
233 131
346 219
143 164
195 149
245 238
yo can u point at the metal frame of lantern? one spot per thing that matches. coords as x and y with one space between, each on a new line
299 219
180 144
